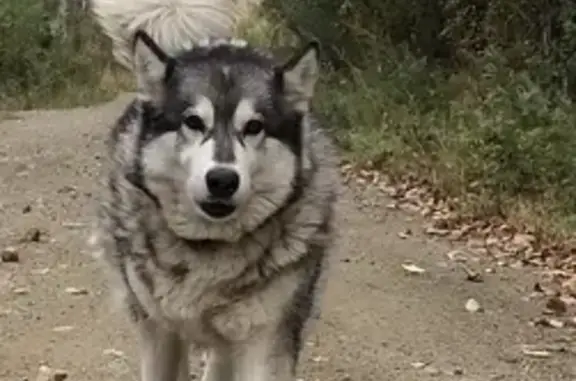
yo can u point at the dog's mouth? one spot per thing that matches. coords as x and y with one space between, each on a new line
218 209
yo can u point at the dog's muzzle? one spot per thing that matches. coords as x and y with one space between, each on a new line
222 184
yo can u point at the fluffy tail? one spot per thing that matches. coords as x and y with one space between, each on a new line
173 24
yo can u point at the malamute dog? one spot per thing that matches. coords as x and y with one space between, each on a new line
216 217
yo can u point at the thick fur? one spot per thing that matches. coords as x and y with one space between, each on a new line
174 24
241 287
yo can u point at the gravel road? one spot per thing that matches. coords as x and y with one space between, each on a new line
380 323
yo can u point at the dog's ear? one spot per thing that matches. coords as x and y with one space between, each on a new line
151 65
298 76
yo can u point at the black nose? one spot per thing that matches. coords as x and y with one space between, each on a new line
222 182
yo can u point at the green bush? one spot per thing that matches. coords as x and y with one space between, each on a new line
47 60
474 97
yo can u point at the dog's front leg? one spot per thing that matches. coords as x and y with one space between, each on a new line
264 357
164 355
219 364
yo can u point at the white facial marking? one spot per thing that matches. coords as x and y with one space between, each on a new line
245 111
204 109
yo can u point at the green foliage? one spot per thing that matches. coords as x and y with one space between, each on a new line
47 60
475 97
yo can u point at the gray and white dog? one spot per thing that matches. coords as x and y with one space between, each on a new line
217 215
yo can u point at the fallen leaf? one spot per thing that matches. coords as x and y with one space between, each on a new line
412 268
556 305
471 275
457 256
113 352
63 328
473 306
76 291
536 353
437 232
74 225
43 271
21 291
551 323
432 371
570 286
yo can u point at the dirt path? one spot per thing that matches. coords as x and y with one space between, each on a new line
378 321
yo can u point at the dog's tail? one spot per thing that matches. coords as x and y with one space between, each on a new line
173 24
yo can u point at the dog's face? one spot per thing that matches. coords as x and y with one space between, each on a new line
225 133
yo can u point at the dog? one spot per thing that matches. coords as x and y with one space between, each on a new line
216 219
174 24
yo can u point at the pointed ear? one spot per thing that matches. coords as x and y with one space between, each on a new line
298 76
151 66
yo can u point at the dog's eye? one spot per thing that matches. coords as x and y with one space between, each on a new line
194 122
253 127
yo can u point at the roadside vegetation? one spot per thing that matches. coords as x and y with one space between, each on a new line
53 55
474 99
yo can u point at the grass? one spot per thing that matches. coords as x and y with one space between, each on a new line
50 63
492 137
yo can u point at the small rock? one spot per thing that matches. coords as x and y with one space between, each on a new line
418 365
26 209
458 372
473 306
32 235
10 254
46 373
405 234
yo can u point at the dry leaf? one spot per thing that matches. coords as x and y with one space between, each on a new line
471 275
113 352
457 256
556 305
63 328
536 353
76 291
413 269
570 286
551 323
21 291
437 232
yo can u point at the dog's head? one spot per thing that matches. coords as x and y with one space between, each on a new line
225 131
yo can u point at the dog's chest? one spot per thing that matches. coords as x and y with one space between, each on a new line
191 298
